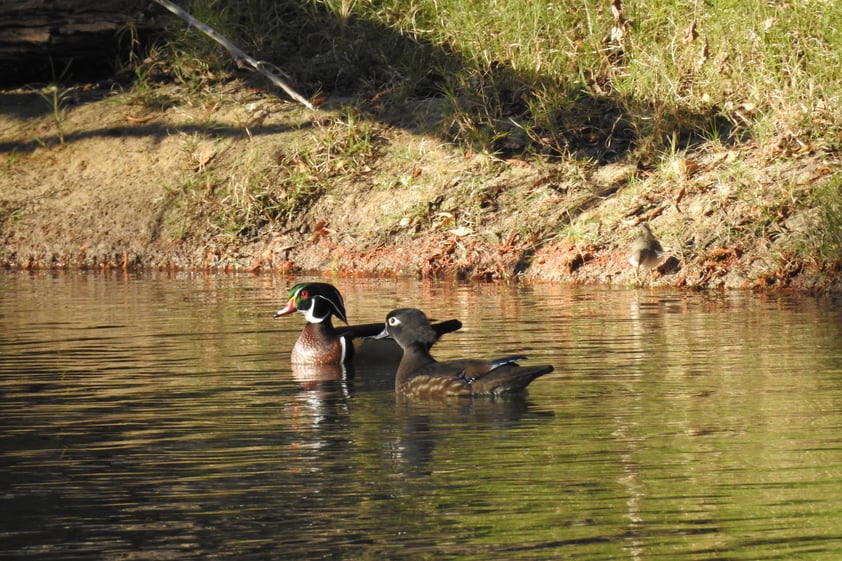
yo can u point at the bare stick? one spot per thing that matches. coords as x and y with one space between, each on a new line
242 59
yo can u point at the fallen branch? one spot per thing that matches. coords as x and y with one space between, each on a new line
242 59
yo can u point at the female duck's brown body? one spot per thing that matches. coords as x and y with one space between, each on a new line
420 376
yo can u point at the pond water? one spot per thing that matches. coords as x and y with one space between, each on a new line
156 416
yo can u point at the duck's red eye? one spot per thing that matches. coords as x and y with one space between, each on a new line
304 294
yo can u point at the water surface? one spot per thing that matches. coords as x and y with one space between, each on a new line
153 416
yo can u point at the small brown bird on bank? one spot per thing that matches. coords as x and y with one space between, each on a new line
420 376
646 251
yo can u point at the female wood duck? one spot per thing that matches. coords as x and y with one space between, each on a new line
320 343
421 376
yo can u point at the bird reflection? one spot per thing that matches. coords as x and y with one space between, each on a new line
411 452
311 376
423 424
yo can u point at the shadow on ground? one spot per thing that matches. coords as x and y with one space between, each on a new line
386 73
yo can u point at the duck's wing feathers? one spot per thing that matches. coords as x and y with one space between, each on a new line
508 378
465 378
498 362
357 331
498 376
374 329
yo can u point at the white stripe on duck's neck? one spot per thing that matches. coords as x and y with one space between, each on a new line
308 315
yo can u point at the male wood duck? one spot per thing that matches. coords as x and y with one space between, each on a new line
420 376
320 343
646 251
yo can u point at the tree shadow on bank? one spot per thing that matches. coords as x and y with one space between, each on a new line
414 84
433 88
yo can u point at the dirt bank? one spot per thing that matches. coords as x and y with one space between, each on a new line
238 179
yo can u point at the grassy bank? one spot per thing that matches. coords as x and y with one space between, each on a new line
485 139
591 78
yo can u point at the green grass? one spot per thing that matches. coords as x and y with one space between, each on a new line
826 236
730 70
56 98
240 192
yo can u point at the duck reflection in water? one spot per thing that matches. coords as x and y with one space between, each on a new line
423 424
312 375
378 374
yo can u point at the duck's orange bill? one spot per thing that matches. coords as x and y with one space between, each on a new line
288 310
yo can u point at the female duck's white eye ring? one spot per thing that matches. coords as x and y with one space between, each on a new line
394 321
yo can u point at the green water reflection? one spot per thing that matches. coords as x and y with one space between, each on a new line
157 417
